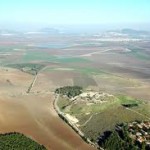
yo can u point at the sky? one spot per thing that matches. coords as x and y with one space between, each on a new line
74 12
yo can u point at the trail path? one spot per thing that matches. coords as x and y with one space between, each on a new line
35 78
97 52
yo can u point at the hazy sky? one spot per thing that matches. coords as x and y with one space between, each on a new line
75 11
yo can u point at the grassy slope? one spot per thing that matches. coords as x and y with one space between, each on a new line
104 116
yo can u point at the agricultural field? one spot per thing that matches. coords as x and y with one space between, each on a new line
32 67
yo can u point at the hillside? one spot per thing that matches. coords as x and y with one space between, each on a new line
95 113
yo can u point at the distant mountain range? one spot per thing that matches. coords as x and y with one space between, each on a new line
134 32
57 31
127 32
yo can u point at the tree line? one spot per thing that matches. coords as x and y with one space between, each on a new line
69 91
17 141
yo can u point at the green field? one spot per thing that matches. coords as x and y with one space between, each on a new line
44 57
138 53
37 56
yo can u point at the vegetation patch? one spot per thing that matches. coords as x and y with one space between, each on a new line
69 91
45 57
127 136
27 67
128 102
37 55
17 141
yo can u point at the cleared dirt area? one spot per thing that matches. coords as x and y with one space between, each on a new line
33 115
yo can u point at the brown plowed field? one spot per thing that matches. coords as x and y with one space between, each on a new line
33 114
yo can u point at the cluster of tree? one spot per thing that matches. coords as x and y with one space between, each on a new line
17 141
70 91
28 67
130 105
119 140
